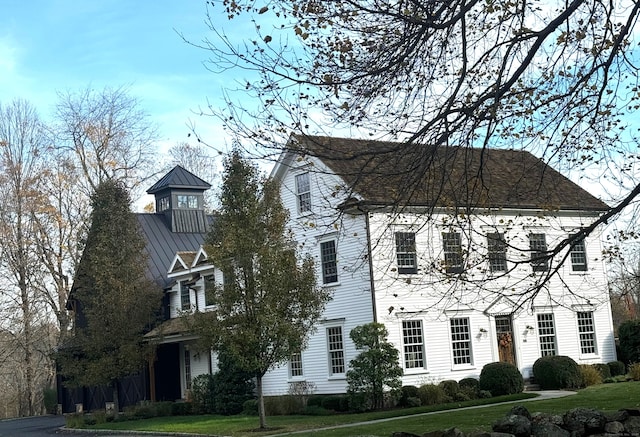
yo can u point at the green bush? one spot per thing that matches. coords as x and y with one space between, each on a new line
501 379
163 409
315 401
337 403
181 409
555 372
590 375
603 370
617 368
250 407
450 387
470 387
316 410
431 394
413 402
629 341
406 392
203 393
284 405
484 394
50 396
232 386
634 371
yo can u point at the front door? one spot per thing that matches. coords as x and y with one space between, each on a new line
506 347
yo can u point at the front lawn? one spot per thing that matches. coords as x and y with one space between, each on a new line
605 397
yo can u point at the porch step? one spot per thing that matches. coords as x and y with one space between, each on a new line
531 387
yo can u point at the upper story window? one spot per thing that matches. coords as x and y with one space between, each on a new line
303 192
329 261
187 201
538 248
163 203
185 296
452 246
497 251
578 254
406 252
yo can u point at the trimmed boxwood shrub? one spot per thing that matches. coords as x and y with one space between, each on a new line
406 392
617 368
603 370
450 388
337 403
501 379
469 386
555 372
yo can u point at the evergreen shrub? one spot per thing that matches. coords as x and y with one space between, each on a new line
555 372
431 394
603 369
634 371
406 392
617 368
450 387
470 387
629 341
501 379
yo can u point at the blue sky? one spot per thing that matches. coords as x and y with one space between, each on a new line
59 45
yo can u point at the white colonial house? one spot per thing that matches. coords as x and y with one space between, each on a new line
467 256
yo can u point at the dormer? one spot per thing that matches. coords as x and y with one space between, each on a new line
179 195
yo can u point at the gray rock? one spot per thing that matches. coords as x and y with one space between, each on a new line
614 427
405 434
632 424
490 434
556 419
453 432
548 429
520 410
618 416
519 426
584 421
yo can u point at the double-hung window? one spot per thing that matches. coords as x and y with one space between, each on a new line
452 247
547 334
586 332
329 261
497 251
461 341
185 296
335 347
406 252
303 192
538 249
295 365
578 254
413 344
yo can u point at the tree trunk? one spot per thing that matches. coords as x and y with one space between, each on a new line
116 403
261 412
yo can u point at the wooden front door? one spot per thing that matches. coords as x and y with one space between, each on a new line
506 347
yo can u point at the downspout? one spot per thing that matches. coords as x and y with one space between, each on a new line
371 281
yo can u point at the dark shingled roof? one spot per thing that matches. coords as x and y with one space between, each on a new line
178 177
162 245
384 173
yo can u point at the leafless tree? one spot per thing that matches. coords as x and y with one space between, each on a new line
199 161
22 148
108 134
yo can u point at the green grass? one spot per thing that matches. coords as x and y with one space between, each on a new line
605 397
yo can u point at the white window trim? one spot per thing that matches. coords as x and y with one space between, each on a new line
330 374
425 364
463 366
321 241
587 355
289 369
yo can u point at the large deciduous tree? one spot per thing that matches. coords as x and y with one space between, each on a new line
556 79
24 311
114 300
269 302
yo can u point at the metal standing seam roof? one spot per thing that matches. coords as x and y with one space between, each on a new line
386 172
162 245
178 177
